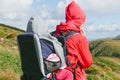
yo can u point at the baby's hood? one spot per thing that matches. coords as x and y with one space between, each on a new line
38 26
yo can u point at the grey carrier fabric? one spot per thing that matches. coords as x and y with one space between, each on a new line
31 53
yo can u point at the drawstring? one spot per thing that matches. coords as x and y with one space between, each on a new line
53 76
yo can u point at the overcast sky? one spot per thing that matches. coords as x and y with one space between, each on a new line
103 16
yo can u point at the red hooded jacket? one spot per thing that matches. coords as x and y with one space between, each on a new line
77 45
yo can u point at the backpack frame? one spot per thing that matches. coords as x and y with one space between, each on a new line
32 61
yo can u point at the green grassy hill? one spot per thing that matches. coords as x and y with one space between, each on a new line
106 53
105 47
106 60
8 37
9 59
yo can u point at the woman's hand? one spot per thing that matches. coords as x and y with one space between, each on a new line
82 32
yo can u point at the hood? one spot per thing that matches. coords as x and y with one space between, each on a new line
75 18
38 26
74 14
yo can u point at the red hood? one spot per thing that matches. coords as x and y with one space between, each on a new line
75 17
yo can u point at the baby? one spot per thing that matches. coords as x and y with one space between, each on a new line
60 74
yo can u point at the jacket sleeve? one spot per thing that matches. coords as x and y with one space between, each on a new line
84 55
78 50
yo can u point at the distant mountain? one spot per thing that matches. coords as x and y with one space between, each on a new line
105 47
117 37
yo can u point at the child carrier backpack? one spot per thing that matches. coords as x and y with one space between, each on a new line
40 53
62 39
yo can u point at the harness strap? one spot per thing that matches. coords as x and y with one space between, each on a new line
53 76
68 35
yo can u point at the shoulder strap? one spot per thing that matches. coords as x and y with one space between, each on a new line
69 34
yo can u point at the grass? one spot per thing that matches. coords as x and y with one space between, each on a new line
109 63
104 68
8 60
9 74
10 68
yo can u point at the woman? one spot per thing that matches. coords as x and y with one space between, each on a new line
78 47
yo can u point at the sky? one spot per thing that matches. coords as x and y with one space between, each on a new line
103 16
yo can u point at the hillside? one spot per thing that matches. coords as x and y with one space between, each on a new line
8 37
9 59
105 47
106 53
117 37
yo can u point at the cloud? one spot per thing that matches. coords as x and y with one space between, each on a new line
60 7
102 31
101 6
103 28
13 12
14 8
51 15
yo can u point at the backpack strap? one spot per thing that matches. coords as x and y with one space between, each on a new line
68 35
62 38
53 76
